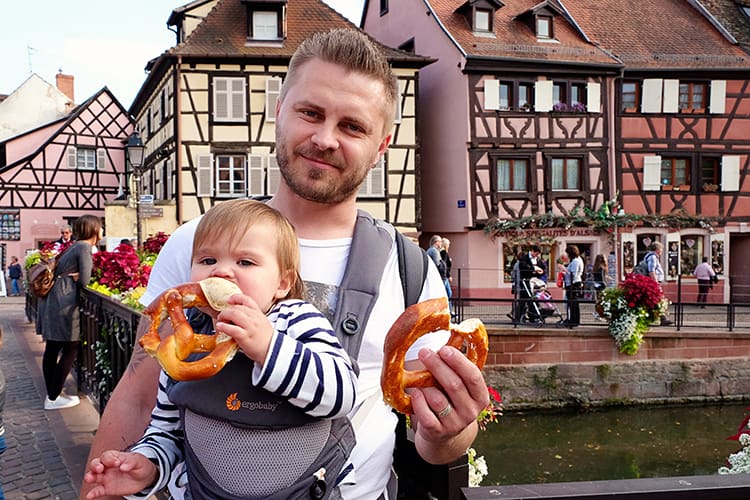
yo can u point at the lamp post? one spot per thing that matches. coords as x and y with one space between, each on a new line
134 150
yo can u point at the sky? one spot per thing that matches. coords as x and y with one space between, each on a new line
100 42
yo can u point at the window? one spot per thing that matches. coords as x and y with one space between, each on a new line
578 94
691 254
164 103
512 174
10 224
630 96
383 7
483 20
231 177
558 93
229 99
710 172
544 27
675 171
86 158
525 96
566 174
506 96
374 184
265 25
693 97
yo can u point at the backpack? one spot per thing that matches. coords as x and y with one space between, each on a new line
42 275
642 267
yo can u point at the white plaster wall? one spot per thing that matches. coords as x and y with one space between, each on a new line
32 104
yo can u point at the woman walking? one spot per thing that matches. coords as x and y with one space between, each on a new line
59 315
573 285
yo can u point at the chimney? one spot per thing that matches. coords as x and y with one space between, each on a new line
65 85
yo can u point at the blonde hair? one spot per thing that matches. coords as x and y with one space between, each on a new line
352 50
231 220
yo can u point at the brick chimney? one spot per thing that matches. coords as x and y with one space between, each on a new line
65 85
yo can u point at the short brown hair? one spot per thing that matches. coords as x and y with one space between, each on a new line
354 51
87 226
232 219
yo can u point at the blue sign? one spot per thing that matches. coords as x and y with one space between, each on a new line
461 204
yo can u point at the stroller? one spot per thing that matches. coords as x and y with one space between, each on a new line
542 306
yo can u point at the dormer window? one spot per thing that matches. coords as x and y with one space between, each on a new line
544 27
483 20
479 14
266 20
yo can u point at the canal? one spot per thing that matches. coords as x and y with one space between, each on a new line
544 446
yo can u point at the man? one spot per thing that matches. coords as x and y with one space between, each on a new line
436 244
333 121
653 263
529 266
66 235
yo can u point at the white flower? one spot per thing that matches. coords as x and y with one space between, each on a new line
477 468
739 462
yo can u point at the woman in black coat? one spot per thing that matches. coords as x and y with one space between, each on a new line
59 315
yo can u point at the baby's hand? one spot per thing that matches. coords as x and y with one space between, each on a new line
248 325
120 473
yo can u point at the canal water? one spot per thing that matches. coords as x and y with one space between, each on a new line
544 446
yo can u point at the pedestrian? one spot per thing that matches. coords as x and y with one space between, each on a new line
528 267
58 312
15 272
653 266
705 276
308 379
333 120
573 286
445 256
65 239
433 252
600 277
3 446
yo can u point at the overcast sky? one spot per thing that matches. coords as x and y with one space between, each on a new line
99 42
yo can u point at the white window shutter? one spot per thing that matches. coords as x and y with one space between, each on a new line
543 95
159 182
593 97
492 94
273 87
652 173
730 173
72 161
256 169
170 175
101 158
274 175
205 175
399 101
377 178
651 102
221 99
671 96
718 98
238 99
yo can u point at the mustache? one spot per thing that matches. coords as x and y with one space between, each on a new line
315 154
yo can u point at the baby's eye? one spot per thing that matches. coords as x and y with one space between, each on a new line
246 262
207 261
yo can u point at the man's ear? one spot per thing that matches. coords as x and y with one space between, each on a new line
384 145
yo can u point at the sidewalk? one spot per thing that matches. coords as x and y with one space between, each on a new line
47 450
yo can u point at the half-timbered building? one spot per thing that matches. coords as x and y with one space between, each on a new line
61 169
206 111
602 124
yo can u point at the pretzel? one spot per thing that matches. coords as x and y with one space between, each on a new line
173 350
417 320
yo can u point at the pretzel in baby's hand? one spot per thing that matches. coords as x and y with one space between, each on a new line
173 350
417 320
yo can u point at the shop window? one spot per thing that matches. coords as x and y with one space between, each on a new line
691 253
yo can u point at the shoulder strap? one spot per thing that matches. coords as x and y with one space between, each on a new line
358 291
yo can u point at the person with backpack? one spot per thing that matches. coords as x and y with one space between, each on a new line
15 272
333 123
289 359
652 265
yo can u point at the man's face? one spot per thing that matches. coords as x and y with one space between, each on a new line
329 132
65 233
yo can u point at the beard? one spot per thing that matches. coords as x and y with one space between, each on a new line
319 185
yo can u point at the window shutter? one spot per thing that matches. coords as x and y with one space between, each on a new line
156 106
159 182
221 99
255 168
543 95
273 87
651 102
168 193
593 97
651 173
238 99
101 158
72 161
399 103
671 96
274 176
718 97
491 94
730 173
205 175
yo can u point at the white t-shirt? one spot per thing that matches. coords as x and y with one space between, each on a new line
323 263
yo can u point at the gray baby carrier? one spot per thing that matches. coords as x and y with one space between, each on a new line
244 443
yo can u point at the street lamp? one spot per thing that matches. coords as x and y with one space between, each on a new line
134 150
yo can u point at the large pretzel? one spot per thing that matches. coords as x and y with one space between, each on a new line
175 349
417 320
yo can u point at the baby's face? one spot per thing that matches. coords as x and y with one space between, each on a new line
251 264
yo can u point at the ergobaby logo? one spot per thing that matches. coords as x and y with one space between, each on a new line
234 404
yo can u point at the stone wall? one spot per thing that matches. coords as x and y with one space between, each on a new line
556 368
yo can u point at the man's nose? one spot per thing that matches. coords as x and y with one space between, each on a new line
325 137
